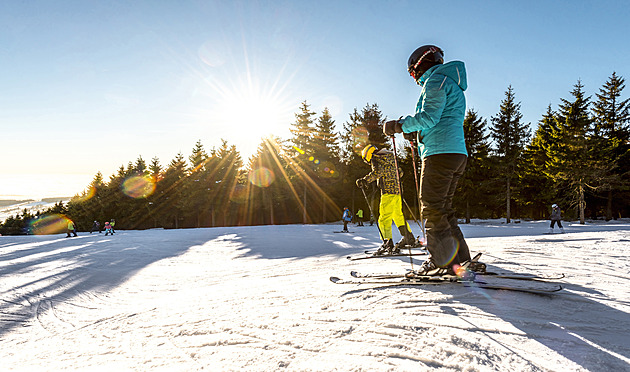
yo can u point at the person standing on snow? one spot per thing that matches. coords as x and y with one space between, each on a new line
360 217
556 217
390 208
438 126
347 217
96 227
108 229
71 229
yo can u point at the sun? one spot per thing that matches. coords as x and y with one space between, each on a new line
250 111
254 110
247 94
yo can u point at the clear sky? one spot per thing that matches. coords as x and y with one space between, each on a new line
88 86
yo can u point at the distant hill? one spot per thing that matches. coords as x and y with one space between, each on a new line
7 202
55 200
15 207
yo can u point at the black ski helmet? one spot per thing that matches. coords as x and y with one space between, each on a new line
423 59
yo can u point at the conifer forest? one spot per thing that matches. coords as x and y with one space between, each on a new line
577 155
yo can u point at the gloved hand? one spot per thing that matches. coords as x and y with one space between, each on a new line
412 136
392 127
362 184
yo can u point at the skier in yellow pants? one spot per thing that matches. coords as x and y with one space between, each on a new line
390 208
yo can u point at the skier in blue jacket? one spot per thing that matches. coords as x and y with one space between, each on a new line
438 126
347 217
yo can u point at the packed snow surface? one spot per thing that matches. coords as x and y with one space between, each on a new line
260 299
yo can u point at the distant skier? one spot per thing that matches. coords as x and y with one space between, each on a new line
438 126
112 223
347 217
108 229
556 217
96 227
360 217
71 229
390 208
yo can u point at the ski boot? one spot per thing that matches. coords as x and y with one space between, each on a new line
407 238
429 268
477 267
385 249
473 266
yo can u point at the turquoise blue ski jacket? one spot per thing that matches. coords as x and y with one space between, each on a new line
440 111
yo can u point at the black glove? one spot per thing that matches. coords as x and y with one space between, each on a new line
362 184
412 136
392 127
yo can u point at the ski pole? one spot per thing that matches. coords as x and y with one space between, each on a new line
400 187
412 214
372 213
400 191
414 145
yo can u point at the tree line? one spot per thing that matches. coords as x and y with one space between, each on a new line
578 157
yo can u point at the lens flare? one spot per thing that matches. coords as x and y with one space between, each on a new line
359 139
261 177
327 170
138 187
49 224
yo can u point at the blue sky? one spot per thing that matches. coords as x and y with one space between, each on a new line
88 86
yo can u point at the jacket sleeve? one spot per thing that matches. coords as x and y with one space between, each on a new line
430 106
375 174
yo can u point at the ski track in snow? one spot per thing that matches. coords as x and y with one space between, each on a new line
259 299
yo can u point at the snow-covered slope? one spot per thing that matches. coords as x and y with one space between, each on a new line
259 299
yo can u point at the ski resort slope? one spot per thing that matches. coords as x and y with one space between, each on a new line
260 299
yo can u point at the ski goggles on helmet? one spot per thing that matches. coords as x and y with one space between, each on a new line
367 152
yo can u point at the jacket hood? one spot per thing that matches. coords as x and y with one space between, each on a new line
455 70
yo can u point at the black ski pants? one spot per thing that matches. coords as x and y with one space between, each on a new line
438 182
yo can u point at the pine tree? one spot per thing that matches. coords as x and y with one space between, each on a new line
326 170
303 166
155 170
171 191
611 134
363 128
537 188
510 137
140 167
569 152
473 181
272 197
198 157
303 129
325 141
196 189
227 175
155 175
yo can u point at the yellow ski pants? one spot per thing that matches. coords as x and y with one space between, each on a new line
390 209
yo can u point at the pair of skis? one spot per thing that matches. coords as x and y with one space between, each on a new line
478 281
372 254
489 280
